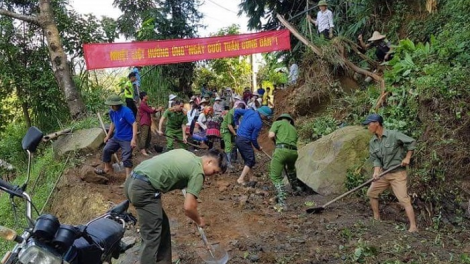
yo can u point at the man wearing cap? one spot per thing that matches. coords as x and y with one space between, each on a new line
383 47
227 129
175 128
324 20
121 135
389 148
284 135
145 121
247 135
174 170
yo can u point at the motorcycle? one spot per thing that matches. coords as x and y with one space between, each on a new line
47 241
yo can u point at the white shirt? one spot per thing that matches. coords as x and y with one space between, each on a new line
324 20
191 115
293 73
202 120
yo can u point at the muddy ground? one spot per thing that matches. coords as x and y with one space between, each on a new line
242 221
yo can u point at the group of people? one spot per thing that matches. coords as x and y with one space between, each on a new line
182 169
240 120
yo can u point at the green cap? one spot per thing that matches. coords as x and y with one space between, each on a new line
286 116
322 3
113 100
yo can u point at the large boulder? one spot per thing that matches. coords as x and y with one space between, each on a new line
323 164
82 141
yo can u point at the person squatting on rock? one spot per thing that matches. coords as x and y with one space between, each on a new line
227 129
176 169
324 20
175 127
131 93
247 135
383 47
121 135
284 134
145 121
389 148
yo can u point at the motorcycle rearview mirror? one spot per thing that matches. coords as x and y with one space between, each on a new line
30 143
32 139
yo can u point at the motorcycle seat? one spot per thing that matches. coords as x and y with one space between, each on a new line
105 232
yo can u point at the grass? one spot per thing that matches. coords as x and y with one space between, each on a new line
45 171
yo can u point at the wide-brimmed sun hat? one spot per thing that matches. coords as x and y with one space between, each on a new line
322 3
218 99
203 101
172 97
286 116
113 100
376 36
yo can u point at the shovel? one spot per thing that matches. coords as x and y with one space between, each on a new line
118 166
187 143
213 253
316 210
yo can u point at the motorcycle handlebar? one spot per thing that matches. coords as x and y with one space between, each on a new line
11 189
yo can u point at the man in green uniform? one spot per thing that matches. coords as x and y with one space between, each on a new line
285 155
176 169
227 129
389 148
175 126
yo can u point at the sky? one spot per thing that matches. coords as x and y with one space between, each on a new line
217 13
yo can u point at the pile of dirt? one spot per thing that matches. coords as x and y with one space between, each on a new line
243 221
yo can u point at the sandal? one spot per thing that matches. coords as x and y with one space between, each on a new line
100 172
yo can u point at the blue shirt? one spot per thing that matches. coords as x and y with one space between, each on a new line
123 120
137 75
261 92
250 126
135 86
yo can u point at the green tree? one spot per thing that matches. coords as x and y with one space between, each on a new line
42 15
227 72
158 20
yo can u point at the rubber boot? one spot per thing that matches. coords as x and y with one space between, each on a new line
234 155
294 183
229 161
281 196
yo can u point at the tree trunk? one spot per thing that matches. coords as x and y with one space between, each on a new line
27 117
60 66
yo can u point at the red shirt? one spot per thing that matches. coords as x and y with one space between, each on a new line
145 111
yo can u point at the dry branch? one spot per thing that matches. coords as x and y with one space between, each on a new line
341 58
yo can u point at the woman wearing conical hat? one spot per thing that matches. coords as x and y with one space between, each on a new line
383 47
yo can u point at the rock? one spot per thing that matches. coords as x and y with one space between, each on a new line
254 258
222 185
86 140
243 200
87 173
127 242
323 164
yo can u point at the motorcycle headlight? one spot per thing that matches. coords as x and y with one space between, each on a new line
37 255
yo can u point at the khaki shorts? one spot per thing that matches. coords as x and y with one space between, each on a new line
397 180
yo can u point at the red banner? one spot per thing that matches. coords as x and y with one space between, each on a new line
111 55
